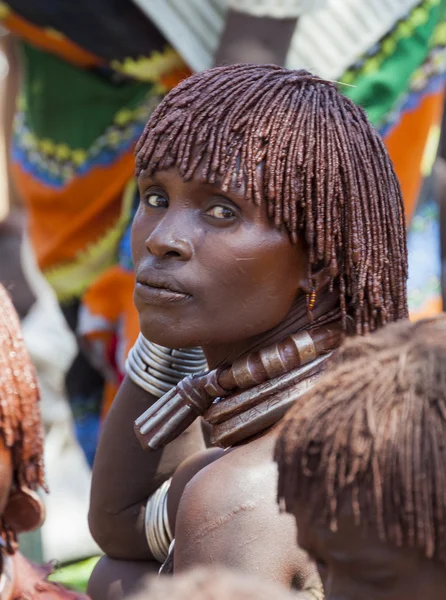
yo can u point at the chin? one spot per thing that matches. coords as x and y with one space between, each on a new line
168 334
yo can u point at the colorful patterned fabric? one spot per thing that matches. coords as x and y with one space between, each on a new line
73 142
93 71
88 88
400 82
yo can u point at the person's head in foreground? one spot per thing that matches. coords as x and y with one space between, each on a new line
362 466
21 436
214 583
261 187
21 465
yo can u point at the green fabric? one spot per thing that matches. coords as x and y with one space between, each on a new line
379 85
70 105
76 575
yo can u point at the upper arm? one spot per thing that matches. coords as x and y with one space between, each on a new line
233 519
125 475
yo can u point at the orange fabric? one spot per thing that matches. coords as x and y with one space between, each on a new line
433 307
171 80
130 331
110 390
63 222
57 44
130 314
406 144
118 284
112 284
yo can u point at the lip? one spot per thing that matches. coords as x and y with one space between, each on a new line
157 290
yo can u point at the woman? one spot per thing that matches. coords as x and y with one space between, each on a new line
21 465
362 462
270 220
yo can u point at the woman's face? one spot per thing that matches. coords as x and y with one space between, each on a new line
211 269
357 565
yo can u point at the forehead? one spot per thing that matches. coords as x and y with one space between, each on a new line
236 187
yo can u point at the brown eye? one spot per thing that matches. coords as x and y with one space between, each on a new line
156 201
221 212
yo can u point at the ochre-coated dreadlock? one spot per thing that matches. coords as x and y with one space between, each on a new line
20 425
373 433
325 173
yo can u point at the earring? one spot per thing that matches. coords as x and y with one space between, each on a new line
311 299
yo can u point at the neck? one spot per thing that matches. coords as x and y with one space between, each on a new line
298 319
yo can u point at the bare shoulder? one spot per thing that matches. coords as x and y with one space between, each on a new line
228 515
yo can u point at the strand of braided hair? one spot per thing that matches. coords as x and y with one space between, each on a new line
372 433
20 424
307 152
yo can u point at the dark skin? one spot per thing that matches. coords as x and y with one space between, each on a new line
118 493
228 514
196 250
355 564
186 233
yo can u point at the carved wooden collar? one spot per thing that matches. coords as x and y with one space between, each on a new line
245 398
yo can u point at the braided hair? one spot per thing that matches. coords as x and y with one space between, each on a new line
324 174
372 433
20 425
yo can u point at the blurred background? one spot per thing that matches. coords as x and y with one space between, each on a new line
78 82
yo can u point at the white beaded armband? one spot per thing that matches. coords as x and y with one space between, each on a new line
158 533
157 369
276 9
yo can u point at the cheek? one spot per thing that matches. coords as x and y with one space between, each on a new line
263 265
258 281
138 236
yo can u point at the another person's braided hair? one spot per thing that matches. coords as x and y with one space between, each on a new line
307 152
372 433
20 424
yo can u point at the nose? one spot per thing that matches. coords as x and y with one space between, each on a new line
170 239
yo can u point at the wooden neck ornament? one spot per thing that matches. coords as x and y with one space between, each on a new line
254 392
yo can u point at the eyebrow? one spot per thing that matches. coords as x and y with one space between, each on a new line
143 175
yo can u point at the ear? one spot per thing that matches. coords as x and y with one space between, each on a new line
319 280
24 511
